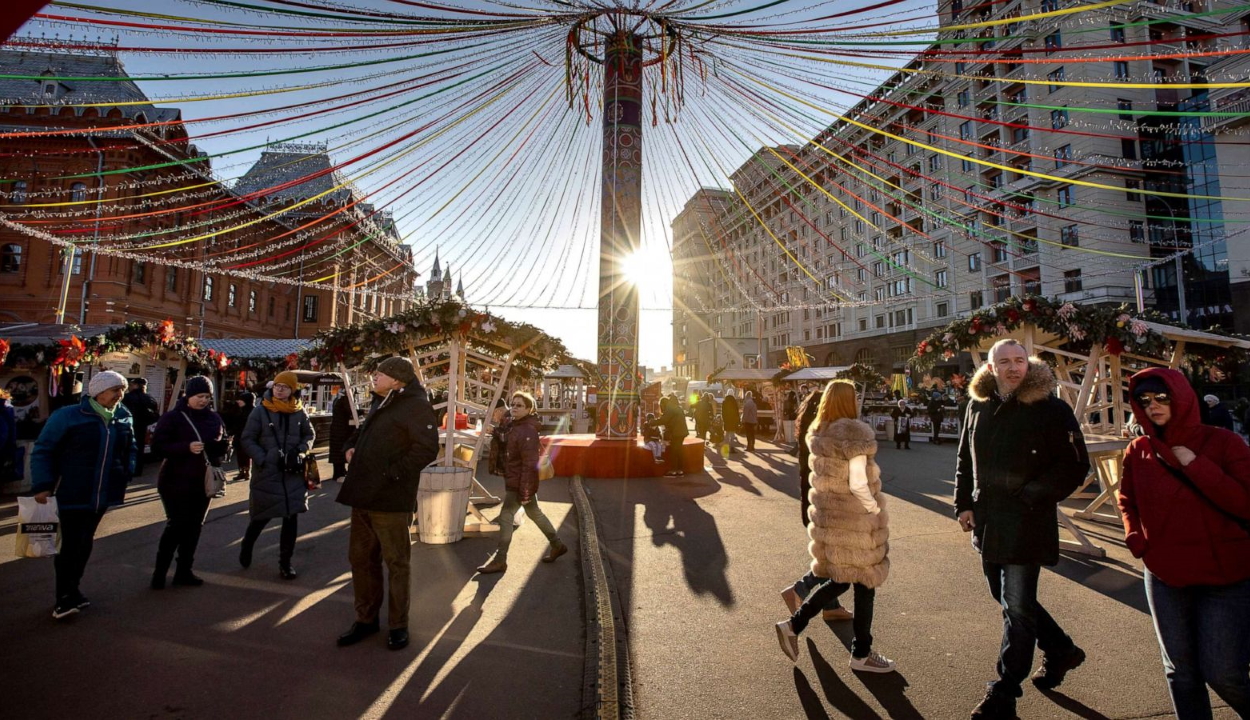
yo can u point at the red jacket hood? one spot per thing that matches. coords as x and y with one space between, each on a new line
1186 421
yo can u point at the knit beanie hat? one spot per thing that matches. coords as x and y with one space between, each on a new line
288 378
199 384
1150 385
398 368
104 381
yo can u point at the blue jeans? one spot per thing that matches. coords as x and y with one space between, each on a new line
823 592
1204 634
1026 624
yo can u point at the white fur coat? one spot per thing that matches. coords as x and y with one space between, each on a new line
849 544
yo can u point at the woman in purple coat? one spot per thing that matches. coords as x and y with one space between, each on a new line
189 438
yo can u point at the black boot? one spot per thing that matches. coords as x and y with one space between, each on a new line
245 553
183 577
161 570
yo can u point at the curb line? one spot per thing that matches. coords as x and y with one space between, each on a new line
607 685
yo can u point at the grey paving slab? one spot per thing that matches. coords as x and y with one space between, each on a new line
701 560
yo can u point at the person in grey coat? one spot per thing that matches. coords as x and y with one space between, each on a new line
276 437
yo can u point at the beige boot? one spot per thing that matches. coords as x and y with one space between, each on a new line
492 567
557 549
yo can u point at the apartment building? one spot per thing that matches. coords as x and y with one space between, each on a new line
883 227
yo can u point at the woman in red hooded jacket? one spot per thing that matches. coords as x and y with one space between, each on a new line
1185 497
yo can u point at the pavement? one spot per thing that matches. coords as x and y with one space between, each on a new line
251 645
700 561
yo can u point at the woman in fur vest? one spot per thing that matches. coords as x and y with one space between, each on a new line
847 523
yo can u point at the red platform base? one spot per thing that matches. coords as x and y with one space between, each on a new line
591 457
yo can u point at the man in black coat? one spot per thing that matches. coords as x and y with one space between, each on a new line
145 412
385 458
1021 452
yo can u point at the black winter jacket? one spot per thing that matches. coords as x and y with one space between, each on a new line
276 490
524 450
391 448
182 471
1017 460
340 428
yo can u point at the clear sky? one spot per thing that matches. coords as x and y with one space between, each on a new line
475 143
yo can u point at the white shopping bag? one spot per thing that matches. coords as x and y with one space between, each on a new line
38 528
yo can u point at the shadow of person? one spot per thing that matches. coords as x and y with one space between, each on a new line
812 706
736 479
694 534
841 697
1074 706
890 689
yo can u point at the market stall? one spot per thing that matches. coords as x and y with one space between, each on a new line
562 402
1093 351
468 361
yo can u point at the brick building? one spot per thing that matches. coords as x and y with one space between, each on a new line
131 187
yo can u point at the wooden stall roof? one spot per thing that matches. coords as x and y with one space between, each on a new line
745 374
816 373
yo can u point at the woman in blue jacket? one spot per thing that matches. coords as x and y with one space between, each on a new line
85 457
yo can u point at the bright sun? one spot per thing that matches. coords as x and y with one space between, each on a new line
647 270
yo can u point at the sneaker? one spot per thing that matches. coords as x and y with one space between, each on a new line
838 614
995 706
80 601
1053 670
789 641
287 572
64 608
791 598
874 663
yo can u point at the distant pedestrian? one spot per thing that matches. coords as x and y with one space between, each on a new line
652 438
936 409
8 438
675 432
1217 413
85 456
902 425
730 419
277 436
849 527
521 481
1185 499
144 412
789 412
1020 453
340 430
750 418
385 457
189 438
793 595
236 422
703 411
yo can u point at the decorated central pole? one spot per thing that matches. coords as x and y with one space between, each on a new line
620 227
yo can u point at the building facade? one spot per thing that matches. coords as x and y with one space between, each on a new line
156 236
884 227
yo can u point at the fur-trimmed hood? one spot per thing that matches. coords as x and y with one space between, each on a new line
1038 384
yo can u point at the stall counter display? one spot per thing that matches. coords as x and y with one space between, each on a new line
877 414
922 426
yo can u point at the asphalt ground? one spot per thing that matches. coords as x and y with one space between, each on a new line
251 645
700 561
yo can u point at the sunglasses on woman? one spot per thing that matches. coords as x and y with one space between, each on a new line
1162 398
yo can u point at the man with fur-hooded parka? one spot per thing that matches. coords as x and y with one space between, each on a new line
1018 458
849 543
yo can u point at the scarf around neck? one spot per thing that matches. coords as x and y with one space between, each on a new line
288 406
102 411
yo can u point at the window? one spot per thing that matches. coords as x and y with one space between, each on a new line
1058 119
1063 156
1121 70
251 301
139 272
974 261
11 258
976 299
1131 187
1002 288
272 304
935 163
1137 231
963 98
935 192
1128 148
961 67
1126 109
1066 196
19 192
288 312
232 295
1055 77
957 6
965 130
1053 42
939 249
863 324
310 308
208 288
943 309
965 164
1072 281
1117 34
999 251
1070 236
879 322
77 192
940 279
171 279
1050 5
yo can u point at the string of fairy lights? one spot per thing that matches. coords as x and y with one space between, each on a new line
474 132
